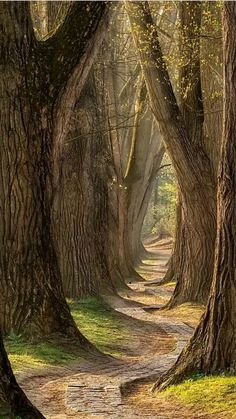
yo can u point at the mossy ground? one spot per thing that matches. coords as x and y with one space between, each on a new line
24 354
99 323
212 394
204 397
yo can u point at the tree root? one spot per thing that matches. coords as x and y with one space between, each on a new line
189 361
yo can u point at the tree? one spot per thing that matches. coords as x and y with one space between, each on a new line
13 401
81 210
134 182
136 148
185 146
212 347
40 82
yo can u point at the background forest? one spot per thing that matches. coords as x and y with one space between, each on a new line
117 209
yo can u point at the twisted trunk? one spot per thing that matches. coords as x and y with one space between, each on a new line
185 147
31 296
213 346
82 217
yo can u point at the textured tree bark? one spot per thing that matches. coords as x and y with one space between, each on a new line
80 209
13 401
185 147
34 84
194 248
82 217
213 346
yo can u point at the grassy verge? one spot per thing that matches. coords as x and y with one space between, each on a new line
100 324
170 284
210 394
24 354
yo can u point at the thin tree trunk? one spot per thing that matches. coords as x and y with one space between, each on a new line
173 266
213 346
120 255
144 161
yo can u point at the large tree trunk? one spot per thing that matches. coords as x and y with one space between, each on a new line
194 250
13 401
186 149
213 346
80 206
31 296
82 219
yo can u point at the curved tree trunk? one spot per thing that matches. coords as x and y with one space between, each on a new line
13 401
82 218
184 144
213 346
194 250
31 296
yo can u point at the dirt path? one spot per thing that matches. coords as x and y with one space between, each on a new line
93 389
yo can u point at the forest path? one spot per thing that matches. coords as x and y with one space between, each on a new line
93 388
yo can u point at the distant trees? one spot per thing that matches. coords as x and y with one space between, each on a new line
160 219
136 148
213 345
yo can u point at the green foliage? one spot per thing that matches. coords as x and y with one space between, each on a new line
212 394
161 214
99 323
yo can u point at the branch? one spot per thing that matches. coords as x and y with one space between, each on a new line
162 167
71 41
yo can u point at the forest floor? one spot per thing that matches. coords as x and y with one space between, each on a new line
141 342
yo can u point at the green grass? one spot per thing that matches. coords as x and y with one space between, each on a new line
99 323
212 394
169 284
24 354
